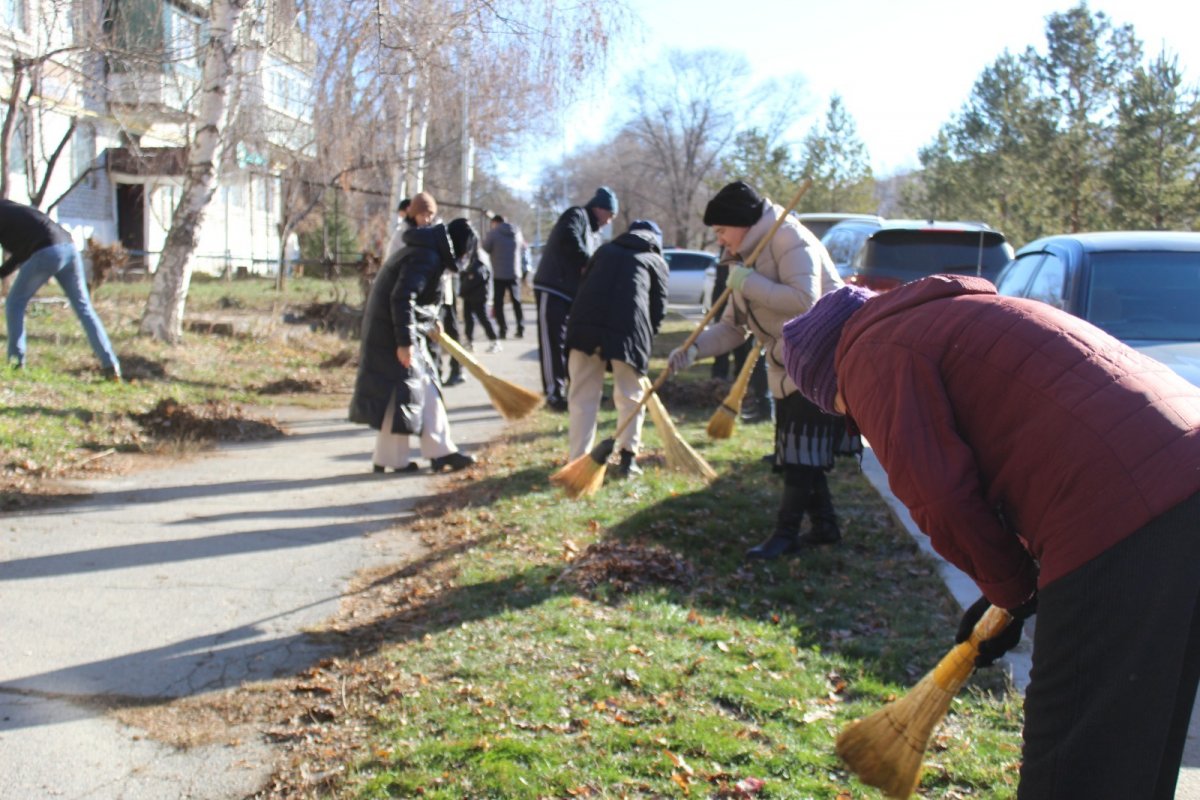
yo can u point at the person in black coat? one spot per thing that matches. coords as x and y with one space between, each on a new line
618 309
40 249
474 282
396 390
568 247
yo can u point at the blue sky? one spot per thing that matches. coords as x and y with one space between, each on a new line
901 68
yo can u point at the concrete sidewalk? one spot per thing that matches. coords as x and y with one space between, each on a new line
192 578
1018 660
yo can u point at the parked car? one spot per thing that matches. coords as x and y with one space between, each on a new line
692 275
845 239
1141 287
904 250
819 222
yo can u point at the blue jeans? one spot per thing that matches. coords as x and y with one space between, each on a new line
61 262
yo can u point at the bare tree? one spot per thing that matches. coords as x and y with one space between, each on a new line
687 110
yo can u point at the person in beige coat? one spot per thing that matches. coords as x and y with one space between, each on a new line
792 272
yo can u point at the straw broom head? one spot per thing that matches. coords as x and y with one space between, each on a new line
512 401
584 475
679 454
720 425
885 749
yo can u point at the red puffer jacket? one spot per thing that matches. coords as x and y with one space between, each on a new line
984 408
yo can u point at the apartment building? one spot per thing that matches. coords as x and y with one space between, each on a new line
105 94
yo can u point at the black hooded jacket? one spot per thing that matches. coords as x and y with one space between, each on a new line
405 299
568 247
621 301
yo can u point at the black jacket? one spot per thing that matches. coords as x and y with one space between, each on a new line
568 247
475 279
23 231
404 303
621 300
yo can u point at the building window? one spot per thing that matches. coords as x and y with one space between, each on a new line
12 14
288 90
182 37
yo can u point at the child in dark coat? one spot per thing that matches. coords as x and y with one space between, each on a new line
474 282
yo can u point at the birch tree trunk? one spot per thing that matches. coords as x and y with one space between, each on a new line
163 316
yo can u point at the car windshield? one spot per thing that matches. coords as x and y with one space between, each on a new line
1146 295
688 261
925 252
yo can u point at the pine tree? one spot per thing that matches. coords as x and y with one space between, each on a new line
1155 162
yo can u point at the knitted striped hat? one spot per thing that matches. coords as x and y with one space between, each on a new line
810 342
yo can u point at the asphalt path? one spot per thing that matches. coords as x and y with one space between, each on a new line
193 577
204 574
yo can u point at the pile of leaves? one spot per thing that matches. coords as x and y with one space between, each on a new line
613 568
212 421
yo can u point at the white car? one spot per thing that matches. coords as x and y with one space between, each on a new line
692 275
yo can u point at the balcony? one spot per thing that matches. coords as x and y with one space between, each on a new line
148 95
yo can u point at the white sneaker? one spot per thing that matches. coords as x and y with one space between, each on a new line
494 347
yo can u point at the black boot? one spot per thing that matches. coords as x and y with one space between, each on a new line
628 468
824 528
797 486
455 377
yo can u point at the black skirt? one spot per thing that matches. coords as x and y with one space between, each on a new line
807 436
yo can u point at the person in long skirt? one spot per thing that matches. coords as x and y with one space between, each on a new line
792 272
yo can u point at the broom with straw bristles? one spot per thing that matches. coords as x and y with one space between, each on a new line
679 454
720 424
512 401
885 749
585 474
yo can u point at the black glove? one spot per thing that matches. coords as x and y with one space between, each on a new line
1001 643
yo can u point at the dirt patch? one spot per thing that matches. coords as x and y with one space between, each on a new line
138 368
213 421
694 394
293 386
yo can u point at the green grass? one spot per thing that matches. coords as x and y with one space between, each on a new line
609 647
59 413
535 670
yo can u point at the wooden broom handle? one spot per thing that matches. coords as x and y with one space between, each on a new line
712 310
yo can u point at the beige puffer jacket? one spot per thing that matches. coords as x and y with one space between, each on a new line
792 271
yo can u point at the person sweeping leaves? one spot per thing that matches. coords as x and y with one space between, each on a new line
1059 469
620 304
396 390
792 271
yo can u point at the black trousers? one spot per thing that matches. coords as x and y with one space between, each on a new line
1116 660
477 310
512 288
552 345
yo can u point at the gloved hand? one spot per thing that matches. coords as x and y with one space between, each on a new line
991 649
738 273
680 358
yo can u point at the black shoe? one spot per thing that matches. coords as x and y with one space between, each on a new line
777 545
822 532
452 462
628 468
557 404
409 468
520 334
454 379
